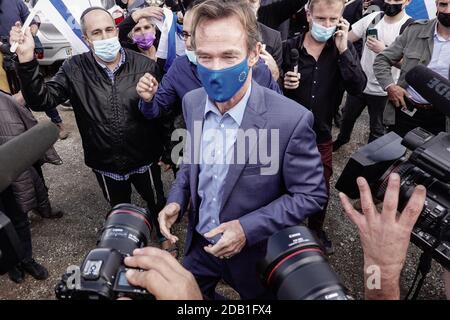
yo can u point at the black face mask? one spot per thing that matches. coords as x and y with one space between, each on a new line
121 4
444 19
392 9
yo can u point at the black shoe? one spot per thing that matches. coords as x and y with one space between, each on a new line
53 214
337 144
36 270
16 274
326 243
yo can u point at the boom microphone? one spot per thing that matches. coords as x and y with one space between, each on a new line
23 151
432 86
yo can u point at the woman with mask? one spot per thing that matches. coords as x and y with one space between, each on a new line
139 33
143 36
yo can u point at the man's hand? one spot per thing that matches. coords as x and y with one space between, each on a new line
397 94
341 35
147 87
25 49
271 63
34 29
291 80
384 236
166 218
164 166
18 97
150 12
232 241
162 275
375 45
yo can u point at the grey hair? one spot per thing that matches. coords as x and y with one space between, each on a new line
149 20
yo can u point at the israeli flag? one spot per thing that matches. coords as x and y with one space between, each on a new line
422 9
65 16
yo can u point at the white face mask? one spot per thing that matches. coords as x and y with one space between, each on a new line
321 33
107 49
255 8
191 56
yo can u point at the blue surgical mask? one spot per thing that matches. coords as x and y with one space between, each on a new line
191 56
222 85
321 33
107 49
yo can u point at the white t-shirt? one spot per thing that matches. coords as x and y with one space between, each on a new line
387 33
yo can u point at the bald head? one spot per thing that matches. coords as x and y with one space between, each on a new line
95 17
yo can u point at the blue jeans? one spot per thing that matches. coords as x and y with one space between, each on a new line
54 116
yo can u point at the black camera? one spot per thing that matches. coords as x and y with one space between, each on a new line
428 165
102 274
295 268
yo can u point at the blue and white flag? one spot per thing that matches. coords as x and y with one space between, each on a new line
422 9
65 16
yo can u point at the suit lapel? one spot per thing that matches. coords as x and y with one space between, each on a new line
198 110
252 120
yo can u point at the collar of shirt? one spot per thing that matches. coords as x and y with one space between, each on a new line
237 112
121 62
437 36
301 40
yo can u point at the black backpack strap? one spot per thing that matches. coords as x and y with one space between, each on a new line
406 24
373 23
375 20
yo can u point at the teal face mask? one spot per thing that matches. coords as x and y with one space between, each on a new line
321 33
191 56
107 49
222 85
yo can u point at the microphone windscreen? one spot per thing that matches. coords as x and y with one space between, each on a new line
21 152
431 86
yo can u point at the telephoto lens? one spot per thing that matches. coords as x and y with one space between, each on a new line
295 268
127 227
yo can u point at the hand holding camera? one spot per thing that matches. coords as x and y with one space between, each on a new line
162 275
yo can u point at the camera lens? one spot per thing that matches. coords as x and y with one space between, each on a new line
295 268
127 227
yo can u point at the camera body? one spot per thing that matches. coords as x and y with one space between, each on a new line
428 165
102 273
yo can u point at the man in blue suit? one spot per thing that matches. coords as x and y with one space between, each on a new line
239 197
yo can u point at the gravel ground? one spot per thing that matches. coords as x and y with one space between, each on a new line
73 188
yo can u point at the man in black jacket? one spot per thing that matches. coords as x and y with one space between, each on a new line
328 64
271 52
119 144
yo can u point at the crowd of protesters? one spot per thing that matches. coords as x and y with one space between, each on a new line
289 65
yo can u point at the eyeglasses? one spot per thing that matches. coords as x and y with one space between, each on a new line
186 35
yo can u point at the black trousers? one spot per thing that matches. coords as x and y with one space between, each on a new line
353 108
430 120
117 192
19 220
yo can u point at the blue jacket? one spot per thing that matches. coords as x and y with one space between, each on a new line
182 77
264 204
